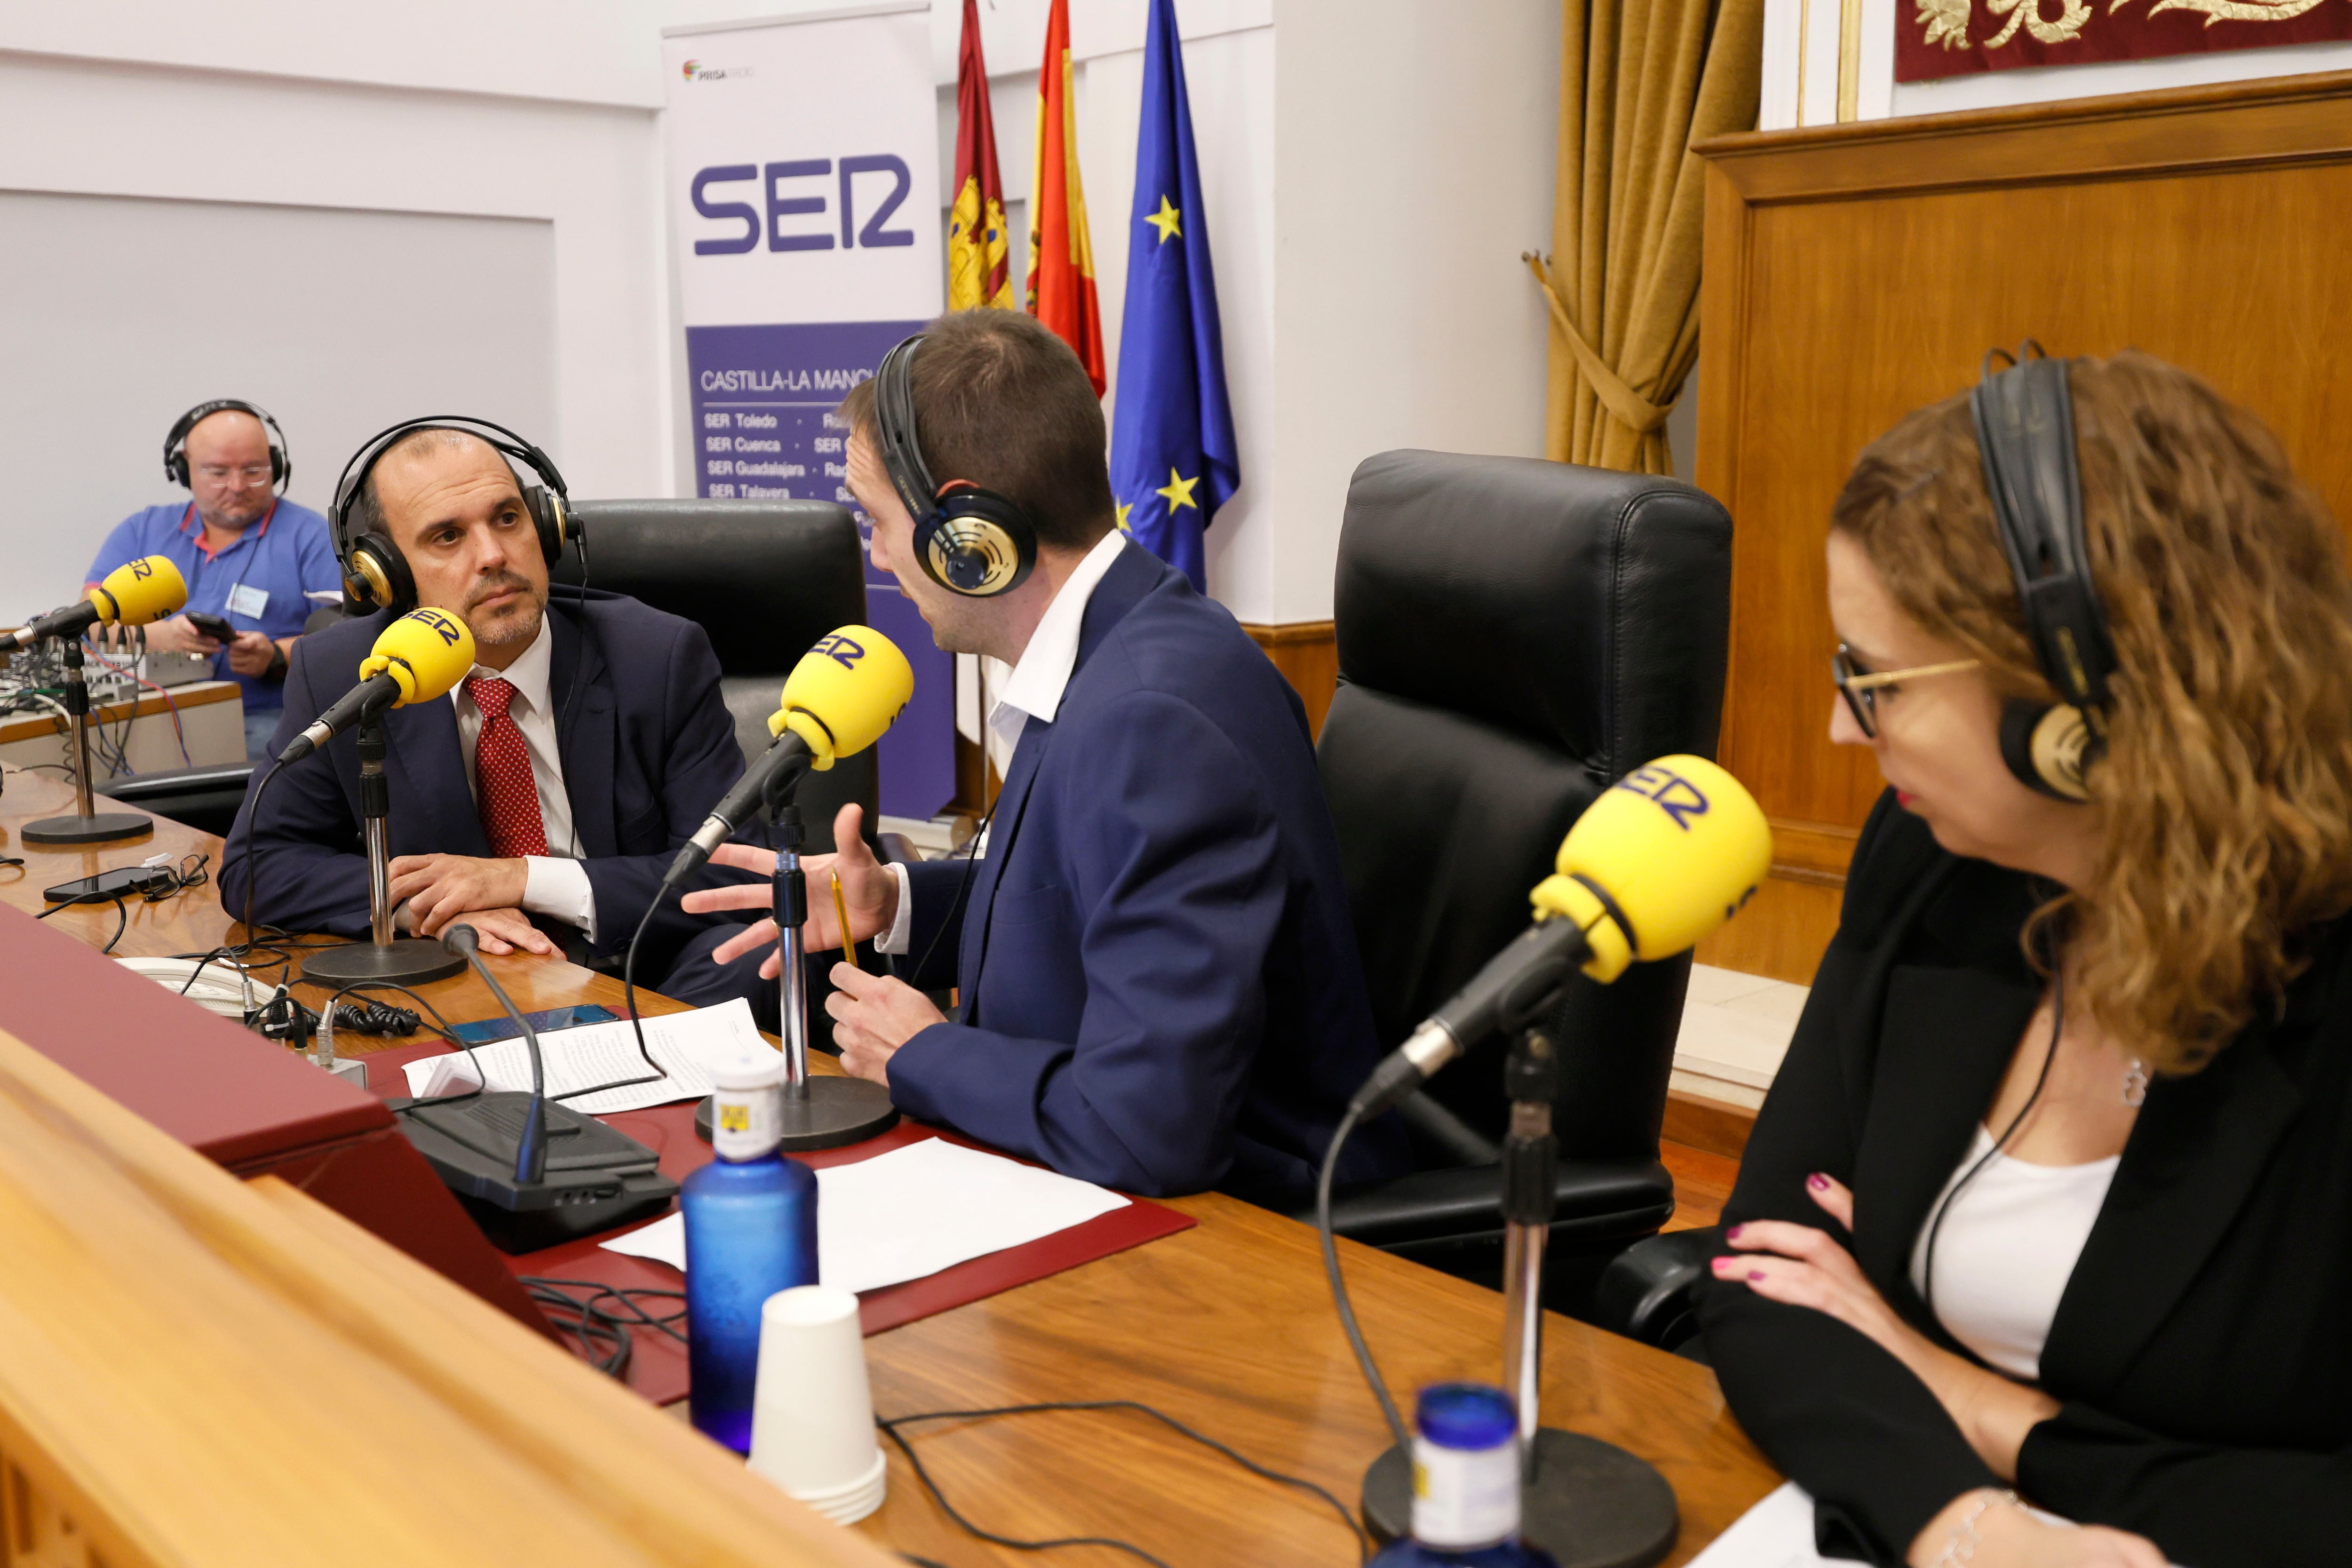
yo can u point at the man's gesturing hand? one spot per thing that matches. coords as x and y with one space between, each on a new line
440 887
873 1016
867 887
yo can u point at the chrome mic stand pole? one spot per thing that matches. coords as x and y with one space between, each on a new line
817 1112
88 825
1584 1500
386 955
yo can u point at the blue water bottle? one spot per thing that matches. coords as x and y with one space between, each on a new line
751 1231
1465 1484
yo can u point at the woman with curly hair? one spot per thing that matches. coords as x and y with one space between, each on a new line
2052 1196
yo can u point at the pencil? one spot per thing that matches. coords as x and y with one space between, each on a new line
841 923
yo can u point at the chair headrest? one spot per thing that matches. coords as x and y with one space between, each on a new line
765 579
1585 608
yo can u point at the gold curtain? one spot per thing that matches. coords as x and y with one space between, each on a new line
1639 80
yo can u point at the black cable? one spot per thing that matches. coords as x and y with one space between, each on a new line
594 1324
1364 1362
890 1426
122 912
2057 1023
253 858
963 888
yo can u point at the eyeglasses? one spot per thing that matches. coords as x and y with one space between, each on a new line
1860 687
221 473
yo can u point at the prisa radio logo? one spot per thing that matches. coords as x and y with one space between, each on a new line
695 70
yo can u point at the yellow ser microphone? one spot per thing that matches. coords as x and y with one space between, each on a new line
133 594
839 698
416 659
1665 856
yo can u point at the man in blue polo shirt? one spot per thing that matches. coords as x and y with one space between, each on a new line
251 557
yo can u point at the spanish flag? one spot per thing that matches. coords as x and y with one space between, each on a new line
978 270
1061 261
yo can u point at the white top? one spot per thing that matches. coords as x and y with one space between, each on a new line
1035 690
2006 1250
554 884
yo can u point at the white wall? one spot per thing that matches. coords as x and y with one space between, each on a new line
1414 144
1816 24
529 110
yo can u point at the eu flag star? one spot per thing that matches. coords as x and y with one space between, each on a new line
1164 220
1179 490
1123 511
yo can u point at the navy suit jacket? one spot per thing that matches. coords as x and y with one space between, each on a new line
1160 987
647 750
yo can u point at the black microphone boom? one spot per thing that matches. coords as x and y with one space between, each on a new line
71 621
365 700
531 1147
787 757
1516 984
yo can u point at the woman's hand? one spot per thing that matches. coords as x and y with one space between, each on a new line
1808 1267
2009 1537
869 887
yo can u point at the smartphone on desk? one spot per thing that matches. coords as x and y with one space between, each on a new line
121 882
482 1031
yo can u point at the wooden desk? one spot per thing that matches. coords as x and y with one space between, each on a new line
1226 1327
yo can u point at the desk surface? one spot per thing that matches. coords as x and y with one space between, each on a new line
1227 1327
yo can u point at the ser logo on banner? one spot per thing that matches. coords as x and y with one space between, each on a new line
772 178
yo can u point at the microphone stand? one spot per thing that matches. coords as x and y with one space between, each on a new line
1586 1501
818 1113
86 826
404 961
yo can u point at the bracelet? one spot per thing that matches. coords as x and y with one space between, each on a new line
1962 1547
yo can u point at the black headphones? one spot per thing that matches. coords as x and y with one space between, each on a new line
968 540
2025 431
375 574
175 444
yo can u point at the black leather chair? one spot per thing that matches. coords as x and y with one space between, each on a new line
1513 635
766 580
204 798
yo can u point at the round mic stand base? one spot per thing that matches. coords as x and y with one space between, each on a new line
100 828
1588 1503
409 961
835 1111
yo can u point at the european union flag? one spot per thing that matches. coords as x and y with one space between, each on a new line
1173 457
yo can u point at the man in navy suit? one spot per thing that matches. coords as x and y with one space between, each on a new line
542 799
1160 987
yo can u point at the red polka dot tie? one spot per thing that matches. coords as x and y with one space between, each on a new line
504 790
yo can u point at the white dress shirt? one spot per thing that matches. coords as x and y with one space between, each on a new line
1034 692
554 884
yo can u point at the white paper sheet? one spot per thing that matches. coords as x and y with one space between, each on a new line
913 1212
683 1044
1778 1532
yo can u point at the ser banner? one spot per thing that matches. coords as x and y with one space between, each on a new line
805 196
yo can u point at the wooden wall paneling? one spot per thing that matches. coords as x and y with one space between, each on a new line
1856 272
1308 654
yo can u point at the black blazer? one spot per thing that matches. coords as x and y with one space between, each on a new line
2203 1346
647 748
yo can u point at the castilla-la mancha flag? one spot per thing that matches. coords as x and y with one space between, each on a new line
1061 260
979 271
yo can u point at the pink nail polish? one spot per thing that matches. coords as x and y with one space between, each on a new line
1817 1182
1756 1274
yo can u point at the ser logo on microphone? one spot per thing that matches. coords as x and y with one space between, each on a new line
840 650
447 629
1676 795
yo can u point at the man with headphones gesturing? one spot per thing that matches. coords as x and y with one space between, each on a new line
543 799
1160 985
251 558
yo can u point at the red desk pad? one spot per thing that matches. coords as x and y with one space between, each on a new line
657 1363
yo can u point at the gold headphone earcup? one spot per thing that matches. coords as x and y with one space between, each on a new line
2059 743
367 582
974 556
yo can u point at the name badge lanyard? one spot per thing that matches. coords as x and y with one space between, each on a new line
229 605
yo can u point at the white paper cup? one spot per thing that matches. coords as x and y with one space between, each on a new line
813 1411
